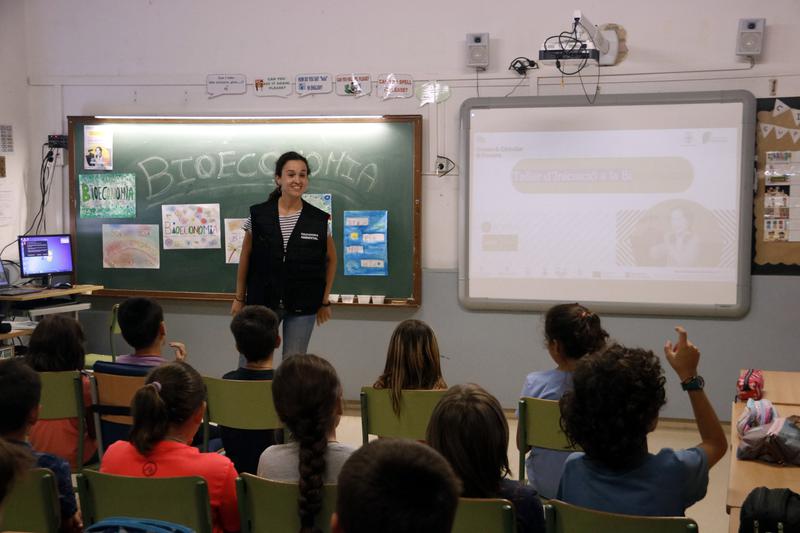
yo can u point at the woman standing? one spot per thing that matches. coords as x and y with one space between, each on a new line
288 258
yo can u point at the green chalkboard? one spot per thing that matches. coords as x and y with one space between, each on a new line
364 163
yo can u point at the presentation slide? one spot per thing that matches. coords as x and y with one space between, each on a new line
629 204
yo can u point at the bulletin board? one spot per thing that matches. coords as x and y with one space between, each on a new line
157 203
776 208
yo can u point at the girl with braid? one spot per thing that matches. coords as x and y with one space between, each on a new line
167 413
308 399
570 332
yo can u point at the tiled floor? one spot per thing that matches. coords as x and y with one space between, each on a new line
709 513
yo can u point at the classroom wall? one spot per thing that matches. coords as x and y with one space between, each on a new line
150 57
13 111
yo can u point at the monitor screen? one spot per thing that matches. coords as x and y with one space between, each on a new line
41 255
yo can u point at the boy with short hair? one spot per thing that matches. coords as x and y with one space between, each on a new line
255 330
20 392
141 321
396 486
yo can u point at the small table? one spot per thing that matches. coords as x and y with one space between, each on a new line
781 387
7 301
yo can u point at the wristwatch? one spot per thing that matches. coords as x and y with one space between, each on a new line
326 304
693 383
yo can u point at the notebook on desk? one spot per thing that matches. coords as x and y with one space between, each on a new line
6 289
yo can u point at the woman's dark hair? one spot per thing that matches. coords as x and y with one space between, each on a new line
617 395
282 160
469 429
307 396
56 345
412 361
171 395
576 328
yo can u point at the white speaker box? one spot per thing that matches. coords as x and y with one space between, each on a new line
478 50
750 37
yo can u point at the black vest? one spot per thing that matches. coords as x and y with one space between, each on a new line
293 281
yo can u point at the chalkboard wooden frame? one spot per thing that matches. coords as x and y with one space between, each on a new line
411 247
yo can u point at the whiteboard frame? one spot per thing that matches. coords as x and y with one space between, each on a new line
747 179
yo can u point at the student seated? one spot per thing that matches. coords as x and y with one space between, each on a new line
20 392
141 321
570 331
614 405
308 399
468 427
255 329
167 412
412 361
395 486
56 345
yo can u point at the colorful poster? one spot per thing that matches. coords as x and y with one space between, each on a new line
131 246
353 84
107 195
366 243
98 141
322 201
234 237
191 226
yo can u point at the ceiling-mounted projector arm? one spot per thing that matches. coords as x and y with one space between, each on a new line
594 34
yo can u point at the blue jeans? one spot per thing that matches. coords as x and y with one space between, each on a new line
296 335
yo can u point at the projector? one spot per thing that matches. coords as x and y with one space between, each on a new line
552 52
584 43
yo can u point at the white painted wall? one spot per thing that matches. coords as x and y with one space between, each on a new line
13 111
152 56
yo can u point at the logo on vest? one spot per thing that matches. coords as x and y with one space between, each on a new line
309 236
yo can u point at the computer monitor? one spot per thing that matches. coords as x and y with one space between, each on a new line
45 255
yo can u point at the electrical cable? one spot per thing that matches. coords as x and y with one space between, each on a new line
477 89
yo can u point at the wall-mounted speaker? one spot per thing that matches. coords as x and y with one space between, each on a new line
478 50
750 37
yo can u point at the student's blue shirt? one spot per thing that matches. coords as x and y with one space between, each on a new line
61 471
664 484
543 467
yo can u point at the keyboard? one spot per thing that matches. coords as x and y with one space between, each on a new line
16 291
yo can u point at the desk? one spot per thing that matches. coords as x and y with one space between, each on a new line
744 476
14 333
51 293
781 387
7 302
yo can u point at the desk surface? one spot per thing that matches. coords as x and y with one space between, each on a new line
782 387
14 333
51 293
747 475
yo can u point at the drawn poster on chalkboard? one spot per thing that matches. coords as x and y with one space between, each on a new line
365 243
107 195
234 238
322 201
191 226
131 246
98 142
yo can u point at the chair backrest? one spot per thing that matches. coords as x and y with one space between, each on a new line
378 417
540 426
240 405
183 500
62 397
266 505
113 329
113 388
32 504
562 517
480 515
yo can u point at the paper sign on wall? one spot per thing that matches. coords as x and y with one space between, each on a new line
107 195
131 246
234 238
6 138
313 84
274 86
219 84
353 84
366 243
191 226
98 141
395 86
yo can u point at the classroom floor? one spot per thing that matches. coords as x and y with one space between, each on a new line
709 513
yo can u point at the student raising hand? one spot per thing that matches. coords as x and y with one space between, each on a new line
684 356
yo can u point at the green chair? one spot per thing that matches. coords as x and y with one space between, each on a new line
183 500
539 425
32 504
271 506
62 397
240 405
378 417
562 517
484 515
113 329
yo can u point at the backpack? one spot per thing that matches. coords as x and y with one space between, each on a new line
770 510
750 384
120 524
